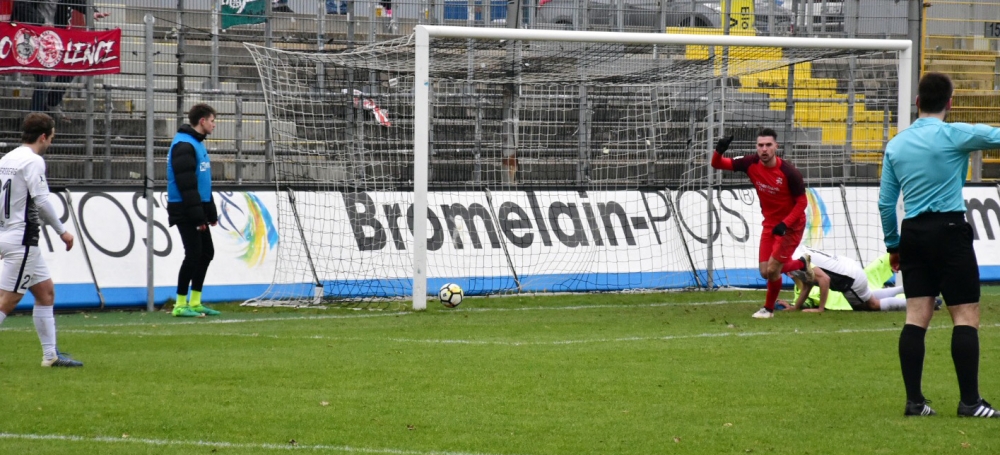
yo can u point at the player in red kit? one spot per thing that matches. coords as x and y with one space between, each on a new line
782 196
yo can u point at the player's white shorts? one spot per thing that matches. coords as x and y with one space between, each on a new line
23 267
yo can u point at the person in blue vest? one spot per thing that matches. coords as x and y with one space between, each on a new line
191 208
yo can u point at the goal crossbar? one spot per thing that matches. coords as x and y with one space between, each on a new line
424 33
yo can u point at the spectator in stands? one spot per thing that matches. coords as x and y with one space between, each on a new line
280 6
191 208
336 7
49 13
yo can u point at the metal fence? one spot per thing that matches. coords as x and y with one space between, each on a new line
962 38
102 121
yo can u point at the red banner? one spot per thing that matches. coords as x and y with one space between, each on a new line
59 51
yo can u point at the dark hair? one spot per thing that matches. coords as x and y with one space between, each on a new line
198 112
35 125
768 132
934 91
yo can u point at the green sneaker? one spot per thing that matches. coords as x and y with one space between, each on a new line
205 310
186 312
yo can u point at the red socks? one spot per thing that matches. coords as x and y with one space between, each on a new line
792 265
773 289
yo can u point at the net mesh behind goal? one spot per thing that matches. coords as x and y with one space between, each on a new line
561 166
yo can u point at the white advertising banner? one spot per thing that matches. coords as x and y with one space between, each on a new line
551 240
111 226
983 213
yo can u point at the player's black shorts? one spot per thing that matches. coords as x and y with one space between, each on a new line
846 285
936 257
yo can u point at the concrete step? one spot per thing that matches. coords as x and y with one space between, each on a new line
224 136
960 64
123 126
225 106
77 126
985 83
134 48
961 54
972 115
983 101
16 107
167 83
990 92
165 69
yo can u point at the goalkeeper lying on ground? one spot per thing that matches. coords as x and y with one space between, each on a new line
841 284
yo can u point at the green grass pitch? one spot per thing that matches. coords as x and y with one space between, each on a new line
570 374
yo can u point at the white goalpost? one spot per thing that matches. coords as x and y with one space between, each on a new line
422 83
515 160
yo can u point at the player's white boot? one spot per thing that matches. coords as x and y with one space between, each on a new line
763 314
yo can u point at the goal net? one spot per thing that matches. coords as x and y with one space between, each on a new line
512 161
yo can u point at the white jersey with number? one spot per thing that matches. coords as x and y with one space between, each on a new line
22 177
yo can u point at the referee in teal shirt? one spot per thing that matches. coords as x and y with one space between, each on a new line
928 162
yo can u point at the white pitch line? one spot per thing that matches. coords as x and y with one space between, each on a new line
230 445
469 342
631 339
599 306
210 334
203 321
208 321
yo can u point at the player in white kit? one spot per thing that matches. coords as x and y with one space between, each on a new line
24 205
835 273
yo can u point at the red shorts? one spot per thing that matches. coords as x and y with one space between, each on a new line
781 247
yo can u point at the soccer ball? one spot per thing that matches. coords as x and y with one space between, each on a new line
451 295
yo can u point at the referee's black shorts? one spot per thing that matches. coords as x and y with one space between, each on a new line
936 257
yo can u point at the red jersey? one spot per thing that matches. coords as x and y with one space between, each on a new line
781 190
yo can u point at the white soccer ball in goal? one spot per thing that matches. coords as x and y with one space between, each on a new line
451 295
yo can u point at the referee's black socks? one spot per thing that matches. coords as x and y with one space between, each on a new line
911 359
965 353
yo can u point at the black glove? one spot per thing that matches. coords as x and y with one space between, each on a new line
211 212
723 144
779 229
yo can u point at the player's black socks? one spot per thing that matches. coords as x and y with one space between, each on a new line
965 353
911 359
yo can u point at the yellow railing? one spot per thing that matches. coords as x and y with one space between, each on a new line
830 117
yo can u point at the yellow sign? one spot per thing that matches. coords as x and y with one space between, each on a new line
741 21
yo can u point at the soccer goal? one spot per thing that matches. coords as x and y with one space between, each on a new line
512 160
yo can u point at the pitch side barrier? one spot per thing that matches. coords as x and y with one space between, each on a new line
646 240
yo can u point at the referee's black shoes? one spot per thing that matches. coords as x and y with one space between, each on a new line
981 409
919 409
